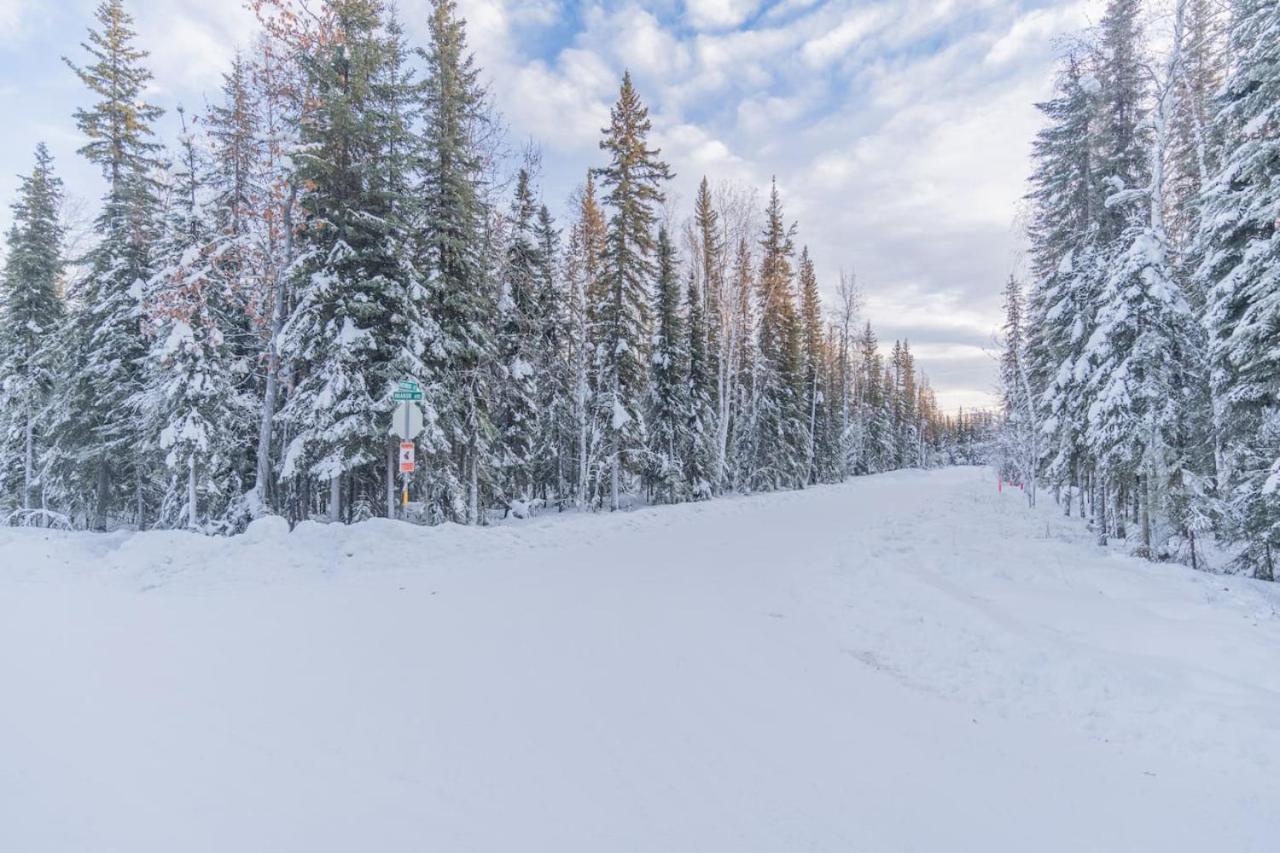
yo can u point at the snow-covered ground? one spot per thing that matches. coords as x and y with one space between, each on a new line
904 662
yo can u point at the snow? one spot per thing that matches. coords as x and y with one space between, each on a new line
350 334
912 661
1067 265
521 369
621 417
180 337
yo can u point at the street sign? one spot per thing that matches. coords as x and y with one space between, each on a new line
406 395
408 385
407 464
407 421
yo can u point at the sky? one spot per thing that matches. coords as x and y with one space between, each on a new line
899 131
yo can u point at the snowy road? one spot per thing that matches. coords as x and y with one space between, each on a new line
905 662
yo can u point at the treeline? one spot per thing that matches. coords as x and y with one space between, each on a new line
1142 376
339 222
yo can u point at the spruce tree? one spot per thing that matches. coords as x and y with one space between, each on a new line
633 179
347 331
1066 200
668 409
873 397
714 382
519 339
452 251
1242 254
583 272
1124 132
814 396
192 408
95 459
745 360
781 422
1020 434
700 452
31 312
554 365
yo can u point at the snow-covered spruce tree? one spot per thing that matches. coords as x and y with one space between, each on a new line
888 415
347 330
831 427
814 398
781 422
191 406
94 463
31 313
633 179
744 388
715 381
1144 345
1020 433
872 405
243 263
396 107
700 452
852 427
1195 138
1123 166
1241 275
454 240
668 407
583 274
1066 201
235 178
519 339
554 366
1123 133
906 432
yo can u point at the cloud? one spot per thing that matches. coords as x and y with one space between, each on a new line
10 15
191 43
1037 28
829 46
718 14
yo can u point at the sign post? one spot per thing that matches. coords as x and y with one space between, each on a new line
407 423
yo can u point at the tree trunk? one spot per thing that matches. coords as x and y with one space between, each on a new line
191 492
104 485
613 483
262 476
1145 492
28 472
1100 512
335 498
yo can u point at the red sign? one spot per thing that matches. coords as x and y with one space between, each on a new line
407 464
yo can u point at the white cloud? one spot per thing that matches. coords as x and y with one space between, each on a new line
717 14
13 19
833 44
192 42
1037 28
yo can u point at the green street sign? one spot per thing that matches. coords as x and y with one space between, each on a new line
408 385
407 395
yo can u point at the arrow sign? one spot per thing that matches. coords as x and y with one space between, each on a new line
407 464
407 422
